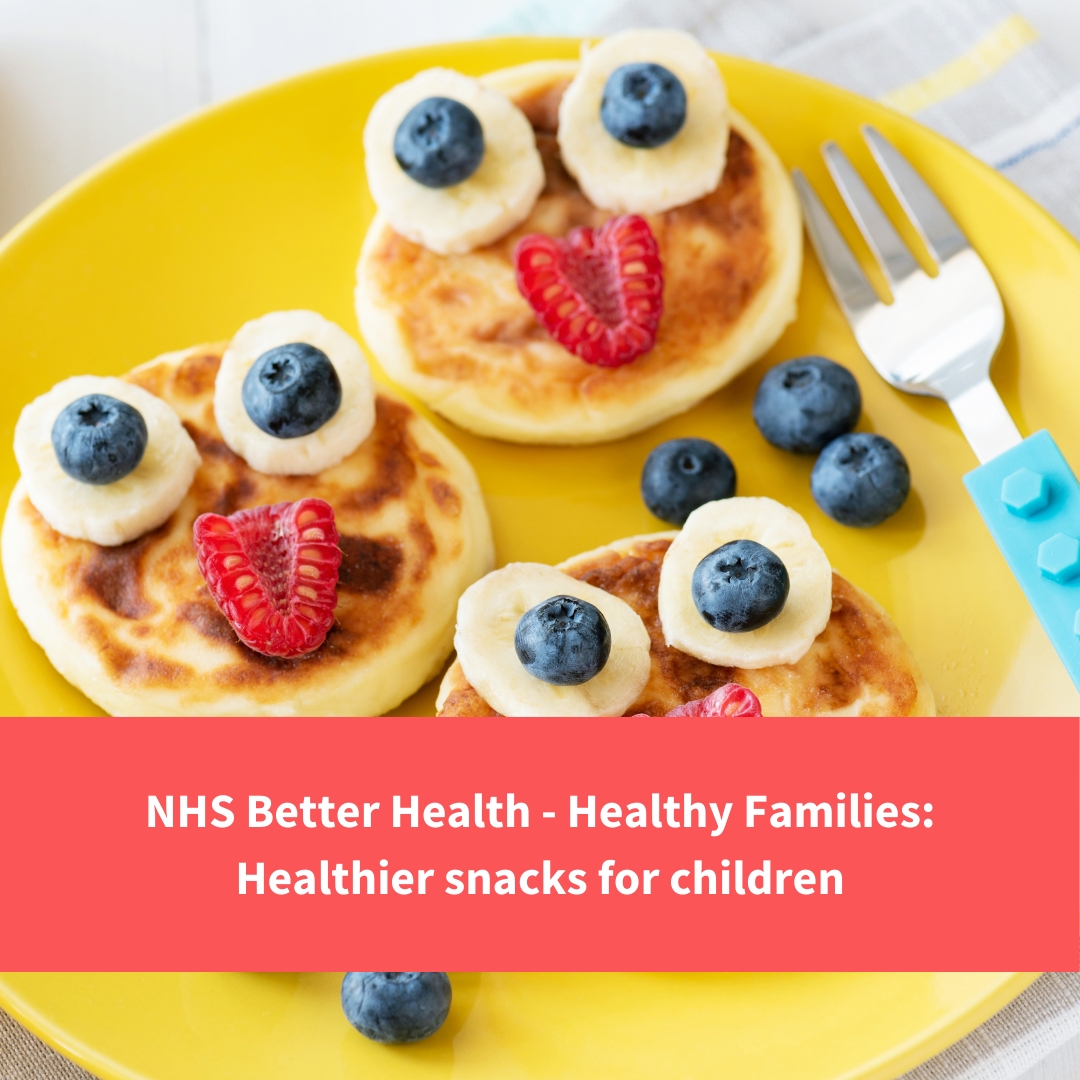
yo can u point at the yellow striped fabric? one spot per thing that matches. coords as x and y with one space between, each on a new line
986 56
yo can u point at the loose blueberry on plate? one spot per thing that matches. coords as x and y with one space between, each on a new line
563 641
860 479
396 1006
291 391
801 405
644 105
99 439
439 143
682 474
740 586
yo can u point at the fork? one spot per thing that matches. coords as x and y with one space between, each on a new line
937 337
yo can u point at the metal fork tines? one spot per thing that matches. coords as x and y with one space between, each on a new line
940 333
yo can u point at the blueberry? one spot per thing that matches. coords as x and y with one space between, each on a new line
439 143
644 105
740 586
396 1006
564 641
803 404
682 474
291 391
99 439
860 479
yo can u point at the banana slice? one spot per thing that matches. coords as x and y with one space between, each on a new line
498 196
786 534
488 614
107 514
303 455
645 180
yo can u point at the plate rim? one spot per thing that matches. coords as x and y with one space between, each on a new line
889 1065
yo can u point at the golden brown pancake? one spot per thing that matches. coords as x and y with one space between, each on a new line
135 628
455 330
858 665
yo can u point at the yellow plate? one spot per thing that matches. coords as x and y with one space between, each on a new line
260 204
840 1026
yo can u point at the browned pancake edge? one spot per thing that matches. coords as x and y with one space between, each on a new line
858 663
147 631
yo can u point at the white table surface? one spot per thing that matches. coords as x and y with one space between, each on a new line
79 79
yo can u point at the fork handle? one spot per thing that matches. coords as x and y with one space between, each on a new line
1029 499
983 418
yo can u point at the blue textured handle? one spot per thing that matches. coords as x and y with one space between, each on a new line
1030 501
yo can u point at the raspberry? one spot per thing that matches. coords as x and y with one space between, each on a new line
731 699
598 292
273 572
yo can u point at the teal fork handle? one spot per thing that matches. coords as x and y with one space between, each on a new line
1030 500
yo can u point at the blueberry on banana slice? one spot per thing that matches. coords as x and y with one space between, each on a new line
396 1006
451 163
439 143
682 474
531 640
801 405
744 564
291 390
103 459
644 124
563 641
99 439
860 479
644 105
740 586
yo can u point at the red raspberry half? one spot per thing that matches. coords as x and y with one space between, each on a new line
273 571
730 699
598 292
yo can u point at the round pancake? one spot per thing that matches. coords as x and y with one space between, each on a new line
857 666
135 628
455 330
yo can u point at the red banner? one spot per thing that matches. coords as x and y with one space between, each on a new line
550 844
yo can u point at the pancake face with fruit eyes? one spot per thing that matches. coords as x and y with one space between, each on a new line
857 666
455 330
135 628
